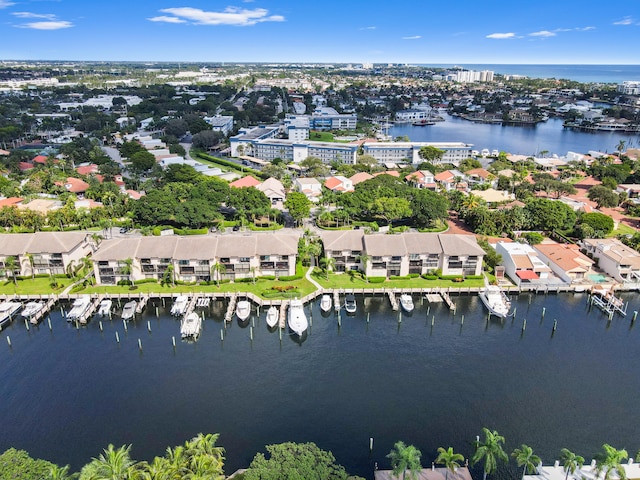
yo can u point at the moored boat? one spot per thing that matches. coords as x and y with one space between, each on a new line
495 300
326 302
129 310
406 302
190 326
30 310
79 308
104 309
179 305
297 319
243 310
7 310
272 316
350 303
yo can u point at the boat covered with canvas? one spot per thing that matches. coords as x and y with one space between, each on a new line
191 326
243 310
406 302
79 308
495 300
129 310
179 305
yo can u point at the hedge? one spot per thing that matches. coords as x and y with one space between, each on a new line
267 277
289 278
376 279
428 276
145 280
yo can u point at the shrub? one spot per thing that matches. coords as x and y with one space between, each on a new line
429 276
413 275
124 282
244 280
267 277
145 280
377 279
289 278
399 277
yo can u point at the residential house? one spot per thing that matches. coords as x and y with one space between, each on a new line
245 182
615 259
566 261
421 179
522 263
338 183
274 191
311 187
360 177
44 253
345 247
480 176
451 180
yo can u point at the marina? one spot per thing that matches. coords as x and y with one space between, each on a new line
372 343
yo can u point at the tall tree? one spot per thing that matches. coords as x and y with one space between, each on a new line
112 464
526 458
298 204
431 154
490 451
449 459
570 462
609 462
405 457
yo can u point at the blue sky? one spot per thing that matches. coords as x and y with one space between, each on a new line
401 31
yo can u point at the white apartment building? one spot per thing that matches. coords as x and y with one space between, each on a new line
454 152
220 123
629 88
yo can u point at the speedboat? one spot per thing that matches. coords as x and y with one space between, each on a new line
7 310
30 310
129 310
325 302
243 310
79 308
105 307
190 326
350 303
495 300
179 305
297 319
406 302
272 316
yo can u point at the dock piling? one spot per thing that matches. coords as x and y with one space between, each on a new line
49 323
370 444
149 325
140 344
117 338
26 324
100 325
124 324
9 341
543 311
524 324
173 341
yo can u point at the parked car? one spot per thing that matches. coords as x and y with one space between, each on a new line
124 229
236 228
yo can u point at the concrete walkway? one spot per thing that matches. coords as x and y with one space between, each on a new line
308 277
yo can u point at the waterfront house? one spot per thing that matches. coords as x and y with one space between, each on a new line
338 183
451 180
360 177
345 247
586 471
44 253
433 473
615 259
522 263
566 261
421 179
311 187
480 176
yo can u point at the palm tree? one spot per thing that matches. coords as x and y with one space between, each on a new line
610 462
112 464
10 268
327 264
29 258
490 451
621 145
217 270
363 258
253 270
526 458
449 459
127 268
61 473
570 461
405 458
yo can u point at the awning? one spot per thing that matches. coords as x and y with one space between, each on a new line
527 275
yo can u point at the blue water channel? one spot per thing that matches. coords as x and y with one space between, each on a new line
68 393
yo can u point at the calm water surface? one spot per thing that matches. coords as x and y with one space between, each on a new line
66 394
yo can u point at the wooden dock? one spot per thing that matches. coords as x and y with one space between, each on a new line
231 308
336 301
45 310
447 299
142 303
84 318
283 314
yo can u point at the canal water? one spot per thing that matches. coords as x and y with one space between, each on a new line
68 393
548 136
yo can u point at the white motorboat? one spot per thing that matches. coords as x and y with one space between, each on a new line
350 303
79 308
104 309
406 302
190 326
129 310
297 319
326 302
179 305
30 309
495 300
7 310
272 316
243 310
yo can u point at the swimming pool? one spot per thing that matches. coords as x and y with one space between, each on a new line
597 277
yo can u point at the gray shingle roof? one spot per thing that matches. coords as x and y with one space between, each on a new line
342 239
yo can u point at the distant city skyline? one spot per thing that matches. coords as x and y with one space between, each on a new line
287 31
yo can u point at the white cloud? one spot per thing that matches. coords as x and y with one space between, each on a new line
624 21
5 3
230 16
52 25
543 34
414 37
501 36
368 28
166 19
48 16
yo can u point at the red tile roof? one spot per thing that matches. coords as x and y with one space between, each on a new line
527 274
25 166
39 159
87 169
243 182
10 202
75 185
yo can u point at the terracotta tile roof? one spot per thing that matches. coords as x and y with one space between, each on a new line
10 202
87 169
244 182
39 159
25 166
567 257
332 183
445 176
75 185
393 173
360 177
478 172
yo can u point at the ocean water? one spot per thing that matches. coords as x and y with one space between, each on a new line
430 379
579 73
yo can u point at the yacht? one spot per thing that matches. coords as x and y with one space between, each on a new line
406 302
179 305
297 319
495 300
104 309
325 302
7 310
30 310
129 310
79 308
350 303
243 310
272 316
190 326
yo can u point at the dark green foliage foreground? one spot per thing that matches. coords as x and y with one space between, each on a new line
18 465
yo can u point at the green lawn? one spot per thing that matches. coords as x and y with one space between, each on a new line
318 136
37 286
622 230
